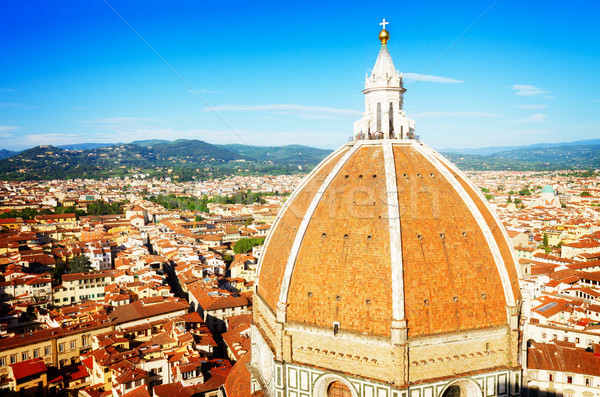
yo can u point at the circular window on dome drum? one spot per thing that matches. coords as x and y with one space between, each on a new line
338 389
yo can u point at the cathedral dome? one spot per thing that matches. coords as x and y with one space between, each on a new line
388 230
388 256
386 264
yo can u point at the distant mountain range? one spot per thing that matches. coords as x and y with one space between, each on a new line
186 160
486 151
539 157
181 160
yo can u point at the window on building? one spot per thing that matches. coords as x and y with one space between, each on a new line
588 382
36 353
576 340
2 362
566 338
543 335
551 377
46 350
569 379
23 356
555 337
13 359
61 347
84 340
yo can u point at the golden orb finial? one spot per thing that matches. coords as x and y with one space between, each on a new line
384 35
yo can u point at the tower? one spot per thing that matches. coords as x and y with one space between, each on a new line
384 98
386 273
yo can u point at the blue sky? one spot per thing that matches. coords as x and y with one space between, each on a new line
286 72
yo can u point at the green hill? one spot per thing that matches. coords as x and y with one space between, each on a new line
149 142
290 154
532 159
181 159
5 153
186 160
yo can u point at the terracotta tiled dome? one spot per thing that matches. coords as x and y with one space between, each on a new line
385 230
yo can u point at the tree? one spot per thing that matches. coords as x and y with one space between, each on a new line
585 194
489 197
485 190
244 245
227 259
79 264
545 240
509 199
525 192
198 218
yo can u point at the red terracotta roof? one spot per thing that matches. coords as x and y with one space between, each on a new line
28 368
141 391
562 358
238 381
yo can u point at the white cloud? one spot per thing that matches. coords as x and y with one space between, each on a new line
119 120
527 90
429 78
595 100
9 105
534 118
455 114
532 106
7 90
8 128
312 112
